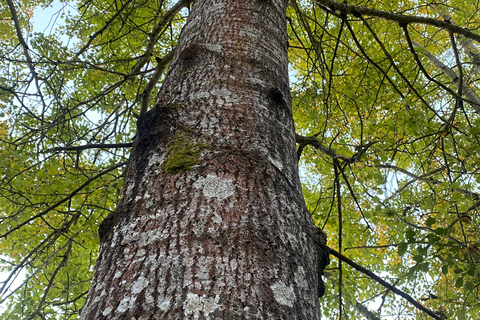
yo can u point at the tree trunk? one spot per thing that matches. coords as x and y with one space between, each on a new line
212 223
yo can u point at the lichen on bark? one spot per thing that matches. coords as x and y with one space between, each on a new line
222 231
182 154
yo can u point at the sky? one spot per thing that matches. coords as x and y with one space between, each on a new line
47 19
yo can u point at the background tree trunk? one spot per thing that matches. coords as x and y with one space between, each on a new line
212 223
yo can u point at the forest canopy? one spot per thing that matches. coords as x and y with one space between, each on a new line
385 98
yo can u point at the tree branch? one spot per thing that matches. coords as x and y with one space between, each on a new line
369 315
156 32
312 140
424 178
385 284
26 52
162 65
20 37
99 32
65 199
91 146
465 90
399 18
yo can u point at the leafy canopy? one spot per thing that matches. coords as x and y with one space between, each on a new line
387 115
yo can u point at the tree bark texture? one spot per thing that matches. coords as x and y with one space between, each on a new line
212 223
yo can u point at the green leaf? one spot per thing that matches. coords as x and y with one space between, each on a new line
441 231
432 238
402 248
430 221
471 271
425 267
469 286
410 235
445 269
389 213
411 272
418 258
459 283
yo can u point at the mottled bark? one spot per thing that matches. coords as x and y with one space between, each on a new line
212 223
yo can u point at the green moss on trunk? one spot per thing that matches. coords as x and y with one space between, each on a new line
182 154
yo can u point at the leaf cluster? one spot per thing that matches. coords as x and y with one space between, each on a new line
387 127
392 174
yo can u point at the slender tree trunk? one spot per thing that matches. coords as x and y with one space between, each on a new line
212 223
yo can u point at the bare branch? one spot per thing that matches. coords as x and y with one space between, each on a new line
424 178
399 18
20 37
162 65
365 312
471 96
312 140
91 146
26 50
385 284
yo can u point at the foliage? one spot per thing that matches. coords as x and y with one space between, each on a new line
409 203
392 177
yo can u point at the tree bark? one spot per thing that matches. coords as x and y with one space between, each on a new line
212 223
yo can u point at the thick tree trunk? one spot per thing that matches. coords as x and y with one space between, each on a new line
212 223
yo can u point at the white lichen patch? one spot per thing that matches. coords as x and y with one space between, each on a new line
212 47
145 238
139 285
156 161
213 231
124 305
198 228
130 189
100 286
164 304
221 92
207 213
151 236
215 187
300 278
149 298
107 311
140 253
195 304
283 294
118 274
216 218
233 264
293 239
276 163
201 95
217 8
149 203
